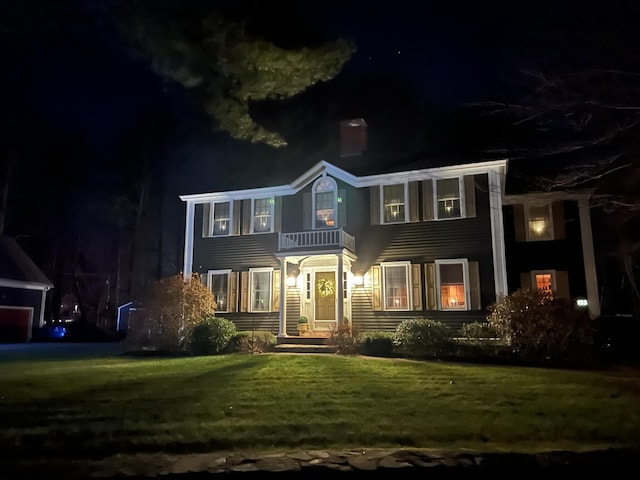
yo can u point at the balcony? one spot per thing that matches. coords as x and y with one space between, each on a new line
317 238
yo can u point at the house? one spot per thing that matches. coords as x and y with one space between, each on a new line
375 239
23 290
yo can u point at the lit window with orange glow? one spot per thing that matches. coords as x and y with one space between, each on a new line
452 287
544 282
325 203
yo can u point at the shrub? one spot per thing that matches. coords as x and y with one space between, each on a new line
376 344
538 326
344 338
211 336
171 308
418 337
478 330
258 341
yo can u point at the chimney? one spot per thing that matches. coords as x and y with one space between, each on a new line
353 137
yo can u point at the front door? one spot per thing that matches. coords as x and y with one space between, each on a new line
325 300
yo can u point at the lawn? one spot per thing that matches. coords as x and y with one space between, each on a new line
105 404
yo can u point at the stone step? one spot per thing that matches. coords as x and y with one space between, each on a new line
301 348
303 340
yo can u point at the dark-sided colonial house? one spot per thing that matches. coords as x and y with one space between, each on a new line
374 240
23 291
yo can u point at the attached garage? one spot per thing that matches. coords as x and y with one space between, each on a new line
23 292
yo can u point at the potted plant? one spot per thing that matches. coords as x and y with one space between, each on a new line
303 324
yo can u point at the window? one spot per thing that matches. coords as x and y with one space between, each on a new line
260 289
395 281
452 284
262 215
393 198
324 200
448 198
218 282
544 280
539 222
221 218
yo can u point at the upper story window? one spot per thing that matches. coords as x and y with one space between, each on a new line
395 284
394 203
539 224
221 218
263 215
448 198
324 203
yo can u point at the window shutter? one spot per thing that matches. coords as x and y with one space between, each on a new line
525 280
427 199
306 211
244 291
430 281
562 285
235 222
518 221
233 292
470 196
246 216
206 219
376 288
275 291
204 277
277 214
416 287
474 286
342 208
414 202
557 210
374 204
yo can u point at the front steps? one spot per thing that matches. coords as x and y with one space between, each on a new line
304 344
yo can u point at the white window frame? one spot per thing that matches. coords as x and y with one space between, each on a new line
526 222
406 203
252 271
407 269
212 209
210 275
554 284
313 203
463 211
465 278
272 203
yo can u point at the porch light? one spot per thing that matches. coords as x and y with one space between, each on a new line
358 280
582 302
291 281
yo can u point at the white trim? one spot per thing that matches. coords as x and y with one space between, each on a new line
588 257
406 203
547 196
496 182
271 204
465 278
6 282
251 293
527 229
326 168
188 241
407 269
463 210
227 272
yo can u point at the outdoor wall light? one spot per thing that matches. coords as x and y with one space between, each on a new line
358 280
582 302
291 281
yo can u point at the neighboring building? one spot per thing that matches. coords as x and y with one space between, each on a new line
23 291
378 240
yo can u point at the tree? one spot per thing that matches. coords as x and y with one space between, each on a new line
224 65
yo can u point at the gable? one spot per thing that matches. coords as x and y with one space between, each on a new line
17 269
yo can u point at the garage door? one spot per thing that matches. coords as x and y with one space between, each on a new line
15 324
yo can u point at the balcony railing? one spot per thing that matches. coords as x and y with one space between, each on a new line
317 238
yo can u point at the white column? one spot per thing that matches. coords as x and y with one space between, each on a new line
282 331
497 233
340 292
588 257
188 241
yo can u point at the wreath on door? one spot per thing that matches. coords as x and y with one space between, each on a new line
326 287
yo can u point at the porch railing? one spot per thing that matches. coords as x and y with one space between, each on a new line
317 238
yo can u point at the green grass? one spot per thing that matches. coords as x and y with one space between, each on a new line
104 404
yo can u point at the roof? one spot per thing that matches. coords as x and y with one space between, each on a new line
17 269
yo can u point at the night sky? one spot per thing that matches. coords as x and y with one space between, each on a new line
77 101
